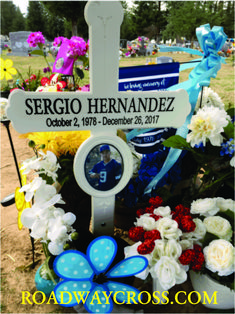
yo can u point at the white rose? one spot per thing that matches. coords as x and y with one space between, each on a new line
147 222
163 211
225 204
168 272
168 228
206 207
232 162
173 249
218 226
158 251
186 244
198 233
220 257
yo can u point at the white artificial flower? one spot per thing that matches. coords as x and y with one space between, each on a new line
47 196
207 124
198 233
168 228
147 222
30 164
206 207
173 249
31 188
225 204
218 226
168 272
49 165
3 104
232 162
186 244
158 251
220 257
132 251
209 98
55 248
163 211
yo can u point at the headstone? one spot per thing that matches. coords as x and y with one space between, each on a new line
19 45
164 59
149 49
128 43
103 110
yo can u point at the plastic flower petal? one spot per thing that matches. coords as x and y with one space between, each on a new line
6 69
21 204
88 274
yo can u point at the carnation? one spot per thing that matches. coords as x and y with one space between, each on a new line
206 207
209 98
218 226
207 124
220 257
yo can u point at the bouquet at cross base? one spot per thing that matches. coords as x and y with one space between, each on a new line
174 241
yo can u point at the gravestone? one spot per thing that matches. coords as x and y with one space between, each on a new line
128 43
164 59
19 45
150 49
103 110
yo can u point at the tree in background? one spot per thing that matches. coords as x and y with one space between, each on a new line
127 29
72 11
36 20
12 20
149 18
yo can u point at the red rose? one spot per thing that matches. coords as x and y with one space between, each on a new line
149 210
146 247
186 257
140 212
187 224
60 85
156 201
156 217
136 234
152 235
44 81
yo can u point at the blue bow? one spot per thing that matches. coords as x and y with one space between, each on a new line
211 41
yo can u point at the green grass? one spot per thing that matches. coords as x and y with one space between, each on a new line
223 84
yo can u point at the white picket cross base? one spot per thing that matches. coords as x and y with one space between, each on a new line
103 110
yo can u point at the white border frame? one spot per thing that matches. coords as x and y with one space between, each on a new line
86 148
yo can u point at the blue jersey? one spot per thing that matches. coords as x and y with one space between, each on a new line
110 174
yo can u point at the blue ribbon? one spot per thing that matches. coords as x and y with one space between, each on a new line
211 41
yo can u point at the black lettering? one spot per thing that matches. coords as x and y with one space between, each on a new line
55 106
67 105
91 105
37 106
79 106
150 105
112 102
103 105
162 104
172 99
144 106
132 105
122 104
47 106
48 122
28 105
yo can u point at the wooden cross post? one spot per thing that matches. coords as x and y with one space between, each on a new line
103 110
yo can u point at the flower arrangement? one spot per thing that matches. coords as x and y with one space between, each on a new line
177 240
211 142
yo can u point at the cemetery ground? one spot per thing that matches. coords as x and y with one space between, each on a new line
17 274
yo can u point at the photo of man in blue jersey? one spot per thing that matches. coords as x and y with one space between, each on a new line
107 172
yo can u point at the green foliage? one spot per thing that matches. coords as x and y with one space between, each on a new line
12 19
35 17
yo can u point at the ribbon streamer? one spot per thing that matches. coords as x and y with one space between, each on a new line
211 41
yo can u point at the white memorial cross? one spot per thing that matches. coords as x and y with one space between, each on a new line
103 110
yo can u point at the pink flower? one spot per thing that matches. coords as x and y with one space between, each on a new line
86 88
58 41
35 38
76 47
